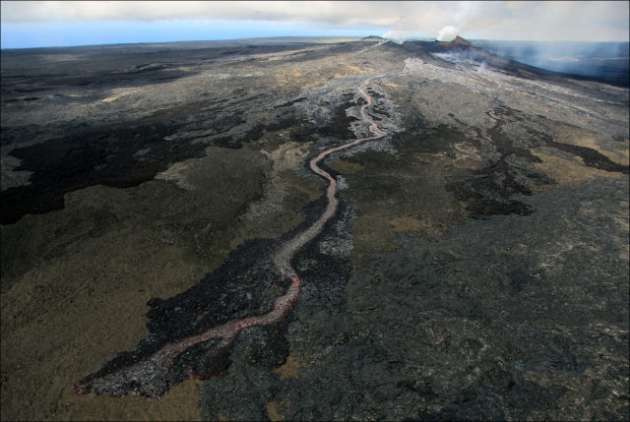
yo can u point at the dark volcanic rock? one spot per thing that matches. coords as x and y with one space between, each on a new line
476 269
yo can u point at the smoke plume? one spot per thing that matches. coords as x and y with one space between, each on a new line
447 34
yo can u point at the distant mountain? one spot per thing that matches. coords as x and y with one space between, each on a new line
373 38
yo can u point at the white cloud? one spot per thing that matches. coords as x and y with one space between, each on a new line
546 20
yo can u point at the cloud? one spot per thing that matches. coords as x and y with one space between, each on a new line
546 20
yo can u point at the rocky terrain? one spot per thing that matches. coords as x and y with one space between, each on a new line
475 267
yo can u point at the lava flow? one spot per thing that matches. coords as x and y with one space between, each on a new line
151 377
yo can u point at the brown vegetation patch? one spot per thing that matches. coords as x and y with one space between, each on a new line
65 316
289 369
421 226
76 282
346 167
467 156
405 224
274 410
617 152
372 233
566 168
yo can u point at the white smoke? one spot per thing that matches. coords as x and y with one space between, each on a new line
447 34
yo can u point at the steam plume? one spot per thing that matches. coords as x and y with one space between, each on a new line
447 34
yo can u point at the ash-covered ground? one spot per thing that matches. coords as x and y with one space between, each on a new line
477 267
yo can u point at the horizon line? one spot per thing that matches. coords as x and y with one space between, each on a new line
278 37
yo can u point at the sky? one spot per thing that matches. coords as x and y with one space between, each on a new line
58 23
